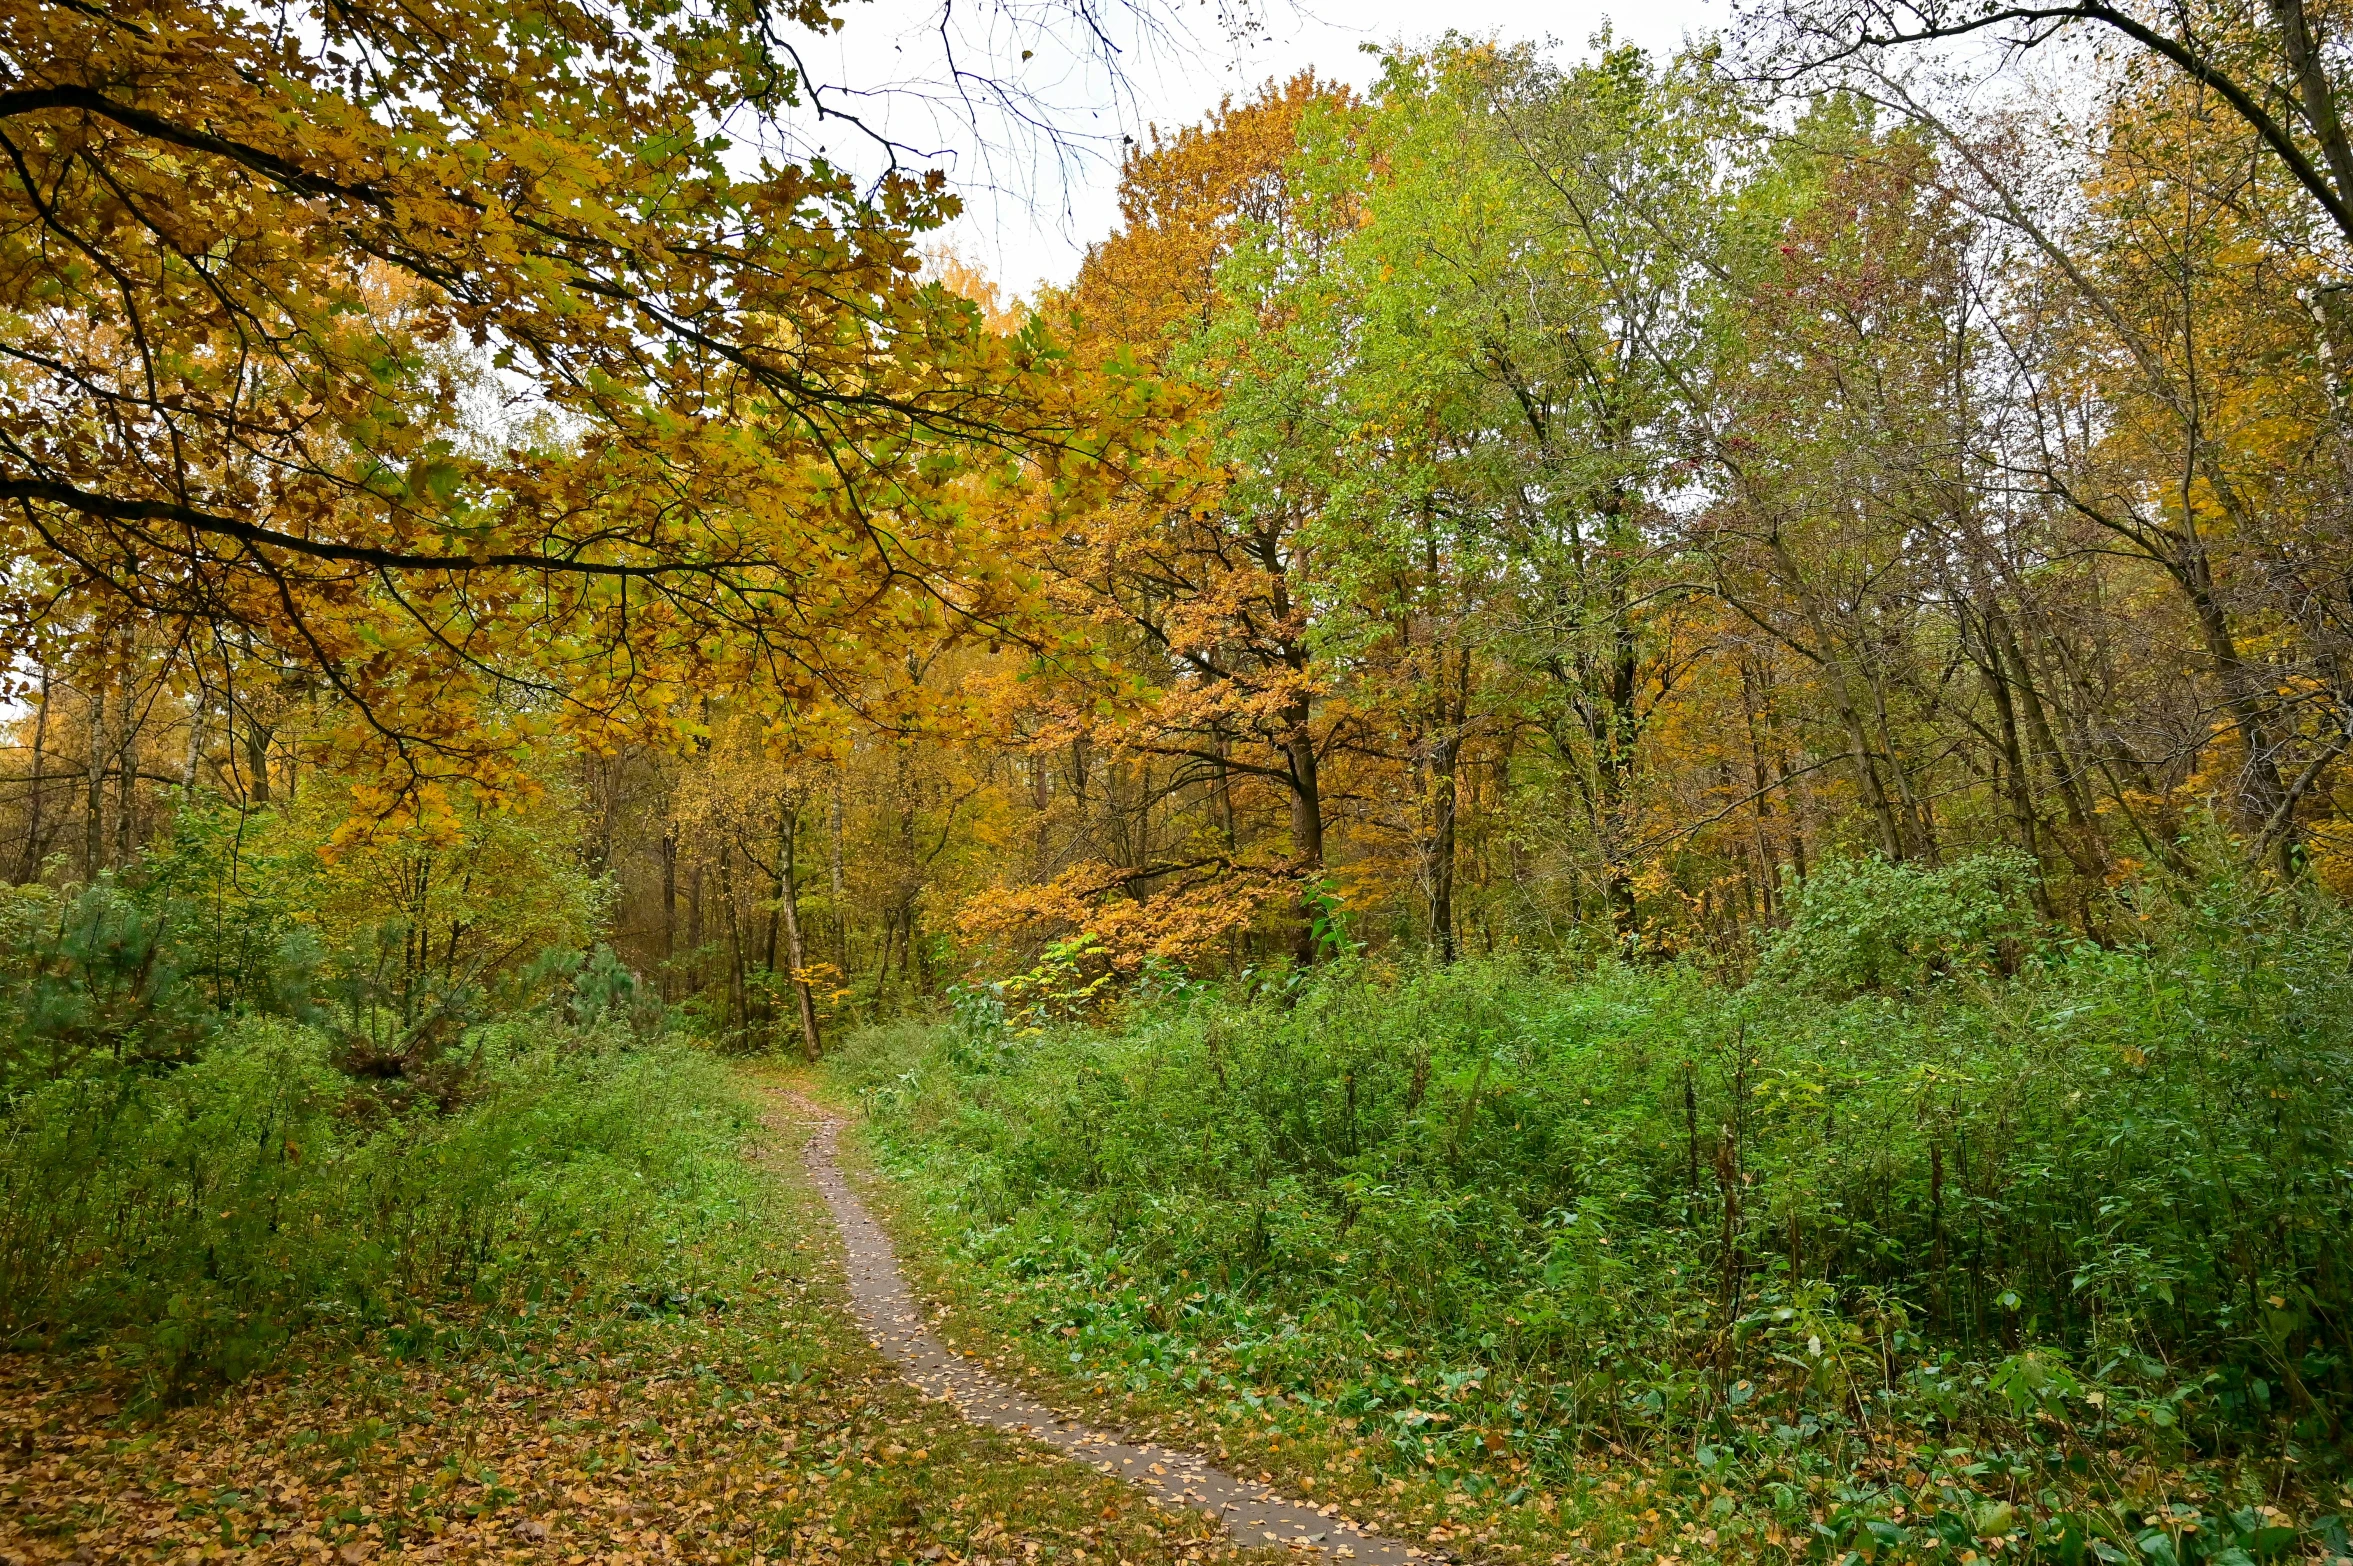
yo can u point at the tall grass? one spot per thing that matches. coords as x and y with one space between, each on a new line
197 1219
1928 1165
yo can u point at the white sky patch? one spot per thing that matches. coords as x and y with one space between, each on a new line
1034 197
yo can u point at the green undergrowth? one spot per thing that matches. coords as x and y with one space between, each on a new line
195 1221
1942 1236
713 1401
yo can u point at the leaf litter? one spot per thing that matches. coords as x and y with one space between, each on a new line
747 1420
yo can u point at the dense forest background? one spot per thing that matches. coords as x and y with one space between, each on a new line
1577 502
1607 798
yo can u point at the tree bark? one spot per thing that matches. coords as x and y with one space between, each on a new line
2016 778
2081 841
2263 795
1452 668
94 796
126 781
788 904
669 895
1307 825
1445 757
1761 782
30 865
736 1007
257 762
841 901
1224 785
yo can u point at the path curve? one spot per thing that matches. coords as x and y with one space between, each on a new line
879 1296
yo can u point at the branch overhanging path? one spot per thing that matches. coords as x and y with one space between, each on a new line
884 1306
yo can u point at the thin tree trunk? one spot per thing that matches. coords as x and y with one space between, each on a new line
1307 827
890 941
768 946
1041 799
195 744
669 895
2014 777
1919 826
1224 784
94 794
2091 855
30 865
1761 783
1443 765
257 761
833 868
736 1007
1446 796
126 782
2263 796
788 905
911 875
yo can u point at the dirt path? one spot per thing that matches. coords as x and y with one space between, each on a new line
1254 1513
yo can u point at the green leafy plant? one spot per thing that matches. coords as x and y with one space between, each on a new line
2077 1219
198 1220
1868 924
92 975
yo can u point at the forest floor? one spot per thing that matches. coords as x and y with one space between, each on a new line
1617 1508
745 1417
1253 1511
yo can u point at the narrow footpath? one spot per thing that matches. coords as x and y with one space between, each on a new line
892 1319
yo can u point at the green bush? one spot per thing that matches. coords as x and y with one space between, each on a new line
200 1218
92 974
1630 1204
1870 925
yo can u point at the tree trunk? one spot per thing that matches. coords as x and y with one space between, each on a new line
669 895
1041 799
94 793
911 876
195 745
841 901
1913 819
1761 783
1613 750
890 942
2017 783
736 1007
768 944
1445 757
2264 805
1307 827
257 762
1224 784
788 905
2082 840
30 865
126 782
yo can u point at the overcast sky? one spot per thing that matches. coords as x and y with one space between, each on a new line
1032 212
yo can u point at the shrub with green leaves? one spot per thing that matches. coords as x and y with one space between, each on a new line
1881 1179
200 1218
1870 925
92 974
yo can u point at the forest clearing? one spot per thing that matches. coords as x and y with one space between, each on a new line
1600 808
